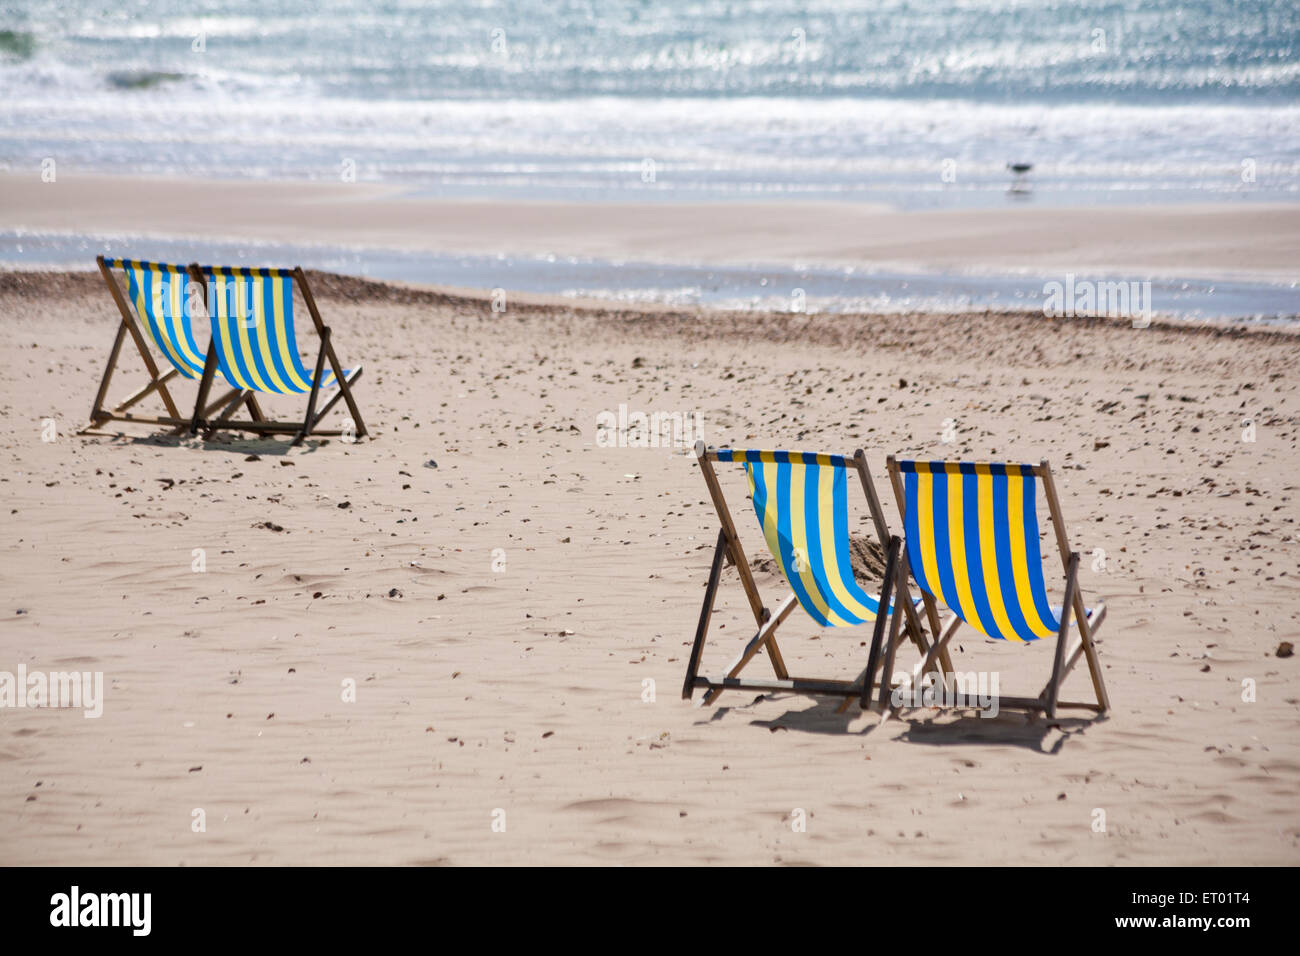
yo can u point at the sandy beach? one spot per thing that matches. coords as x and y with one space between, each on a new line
500 588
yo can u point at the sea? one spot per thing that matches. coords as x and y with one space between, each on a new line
919 104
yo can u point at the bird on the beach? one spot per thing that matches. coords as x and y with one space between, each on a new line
1019 184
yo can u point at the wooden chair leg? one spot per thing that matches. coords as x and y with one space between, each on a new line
774 655
878 632
334 400
936 649
97 415
756 643
233 399
309 421
891 650
344 385
1052 690
1076 602
706 614
205 387
1088 627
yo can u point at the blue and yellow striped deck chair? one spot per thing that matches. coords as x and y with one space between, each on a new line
801 500
156 308
254 347
973 545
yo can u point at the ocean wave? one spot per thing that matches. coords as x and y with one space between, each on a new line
995 50
839 99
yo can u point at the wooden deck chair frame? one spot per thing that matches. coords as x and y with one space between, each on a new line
768 620
257 422
129 325
1048 702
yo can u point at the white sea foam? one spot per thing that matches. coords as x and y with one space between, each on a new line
846 99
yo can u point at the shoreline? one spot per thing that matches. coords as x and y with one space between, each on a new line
369 291
1259 242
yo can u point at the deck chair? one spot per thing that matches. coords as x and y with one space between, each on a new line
254 347
972 543
801 500
157 308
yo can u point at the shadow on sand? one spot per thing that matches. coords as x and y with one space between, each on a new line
222 441
929 726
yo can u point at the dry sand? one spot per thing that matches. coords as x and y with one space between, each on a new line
1224 240
522 689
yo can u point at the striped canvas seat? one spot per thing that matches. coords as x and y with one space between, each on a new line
159 292
801 499
252 330
972 542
